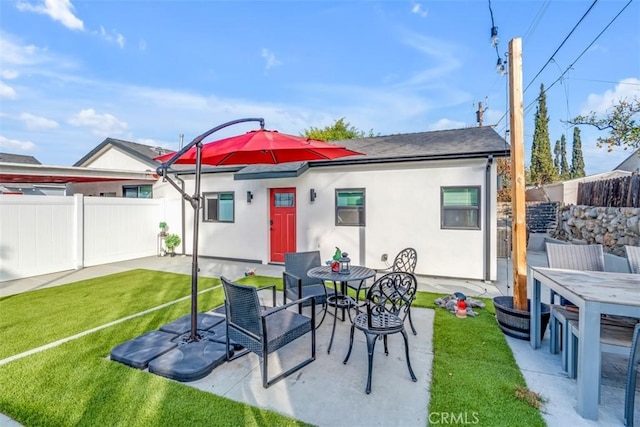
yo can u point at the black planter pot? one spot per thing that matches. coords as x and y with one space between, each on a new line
517 323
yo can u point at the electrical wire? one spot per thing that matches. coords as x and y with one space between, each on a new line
561 44
581 54
528 108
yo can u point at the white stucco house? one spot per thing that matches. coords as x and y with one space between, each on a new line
433 191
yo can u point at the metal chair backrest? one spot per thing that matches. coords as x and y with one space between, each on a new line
575 257
242 306
298 263
633 257
392 293
406 261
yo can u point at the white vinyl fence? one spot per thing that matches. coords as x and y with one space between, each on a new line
47 234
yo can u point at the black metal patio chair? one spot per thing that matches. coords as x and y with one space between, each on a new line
297 284
387 303
264 330
405 261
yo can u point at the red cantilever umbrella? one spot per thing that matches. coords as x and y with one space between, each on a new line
261 147
255 147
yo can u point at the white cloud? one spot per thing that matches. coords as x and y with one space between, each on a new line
418 10
35 122
9 74
58 10
443 55
600 103
443 124
100 124
271 59
112 36
7 92
16 54
15 144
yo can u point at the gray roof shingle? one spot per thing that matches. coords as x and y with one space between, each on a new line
18 158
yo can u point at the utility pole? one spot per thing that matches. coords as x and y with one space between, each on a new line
480 114
518 224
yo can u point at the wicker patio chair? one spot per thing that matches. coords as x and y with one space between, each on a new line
633 257
388 300
405 261
263 331
573 257
297 284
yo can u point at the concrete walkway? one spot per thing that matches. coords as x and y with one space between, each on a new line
542 370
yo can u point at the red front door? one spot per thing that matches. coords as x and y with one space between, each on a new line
283 222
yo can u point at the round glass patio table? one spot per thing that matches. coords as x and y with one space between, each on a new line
340 298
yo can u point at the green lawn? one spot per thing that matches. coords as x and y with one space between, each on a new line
474 372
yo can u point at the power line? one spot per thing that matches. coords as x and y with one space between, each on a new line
582 53
575 61
561 44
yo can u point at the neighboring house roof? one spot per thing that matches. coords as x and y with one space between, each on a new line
473 142
18 158
27 173
631 163
143 153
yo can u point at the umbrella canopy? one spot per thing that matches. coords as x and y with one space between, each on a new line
261 147
255 147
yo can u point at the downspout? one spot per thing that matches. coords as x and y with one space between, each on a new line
487 220
183 231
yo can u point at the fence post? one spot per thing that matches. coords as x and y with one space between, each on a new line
78 230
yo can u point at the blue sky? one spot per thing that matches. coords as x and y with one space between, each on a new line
73 73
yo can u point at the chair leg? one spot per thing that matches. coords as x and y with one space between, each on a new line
553 336
333 330
406 350
371 345
413 329
350 345
632 373
265 380
386 348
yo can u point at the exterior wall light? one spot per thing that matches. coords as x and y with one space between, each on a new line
249 196
312 195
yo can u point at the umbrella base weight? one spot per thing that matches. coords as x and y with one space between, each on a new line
189 361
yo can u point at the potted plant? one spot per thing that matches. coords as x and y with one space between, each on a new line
171 242
163 228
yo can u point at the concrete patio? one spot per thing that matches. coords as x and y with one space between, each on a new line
240 379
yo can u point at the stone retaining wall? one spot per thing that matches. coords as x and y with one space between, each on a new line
612 227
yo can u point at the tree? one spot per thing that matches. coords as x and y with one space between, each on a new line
577 162
542 168
560 158
338 131
619 121
503 168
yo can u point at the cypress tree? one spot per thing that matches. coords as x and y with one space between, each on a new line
565 172
577 162
556 157
542 168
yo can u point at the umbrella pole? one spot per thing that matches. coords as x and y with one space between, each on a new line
196 202
194 262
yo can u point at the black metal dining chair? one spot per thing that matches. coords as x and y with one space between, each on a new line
405 261
264 330
387 304
297 284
